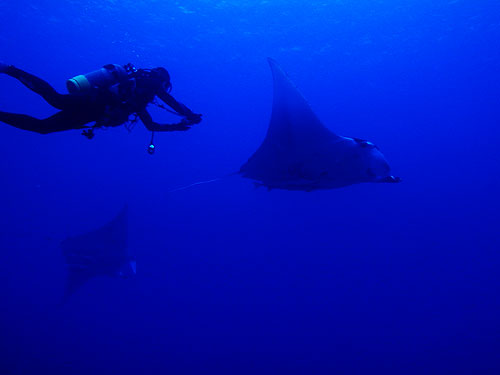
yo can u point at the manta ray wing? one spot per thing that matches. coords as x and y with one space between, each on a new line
97 253
293 154
300 153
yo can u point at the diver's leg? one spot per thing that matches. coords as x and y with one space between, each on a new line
61 121
45 90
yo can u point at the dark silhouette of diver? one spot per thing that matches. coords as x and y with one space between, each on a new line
108 97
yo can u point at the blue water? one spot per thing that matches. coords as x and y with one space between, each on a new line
368 279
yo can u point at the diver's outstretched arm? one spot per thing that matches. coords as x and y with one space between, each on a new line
180 108
148 122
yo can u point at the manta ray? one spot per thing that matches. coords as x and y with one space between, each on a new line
300 153
102 252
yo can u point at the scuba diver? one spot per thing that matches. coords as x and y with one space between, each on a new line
108 97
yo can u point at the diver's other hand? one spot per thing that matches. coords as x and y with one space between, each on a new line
193 118
391 180
184 124
3 67
89 133
181 126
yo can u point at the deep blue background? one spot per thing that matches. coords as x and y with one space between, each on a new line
392 279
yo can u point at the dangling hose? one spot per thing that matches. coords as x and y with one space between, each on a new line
151 147
130 124
202 182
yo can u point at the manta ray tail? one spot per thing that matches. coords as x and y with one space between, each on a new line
202 182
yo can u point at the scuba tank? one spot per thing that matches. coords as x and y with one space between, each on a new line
105 77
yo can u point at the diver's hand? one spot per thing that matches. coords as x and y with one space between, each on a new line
391 180
193 118
181 126
89 133
185 123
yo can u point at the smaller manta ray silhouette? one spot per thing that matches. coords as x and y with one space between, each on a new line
300 153
102 252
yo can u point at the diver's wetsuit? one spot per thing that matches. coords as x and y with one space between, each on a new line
100 105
